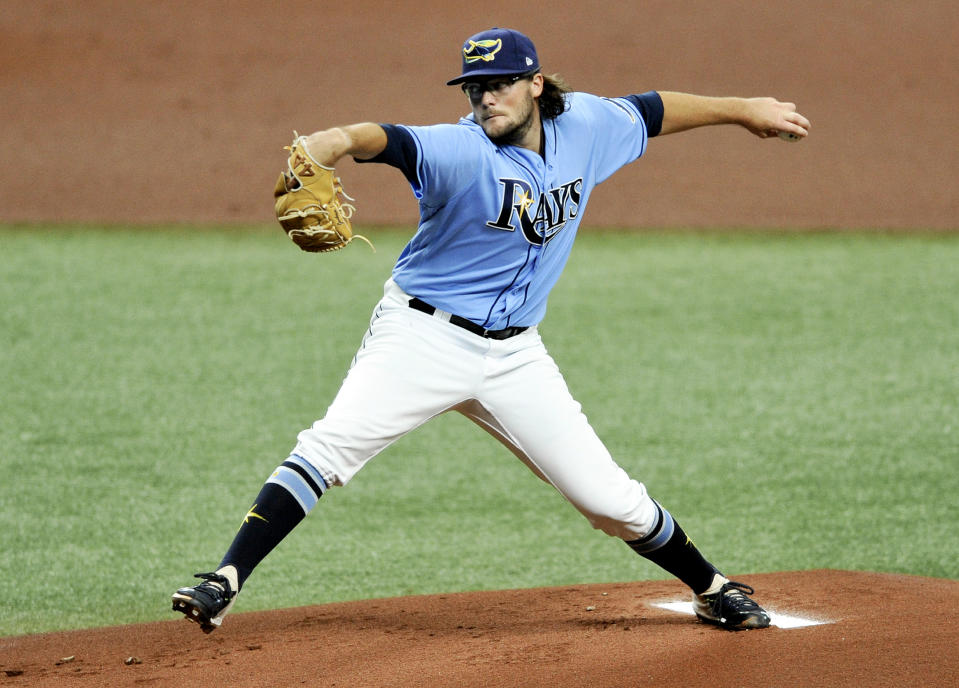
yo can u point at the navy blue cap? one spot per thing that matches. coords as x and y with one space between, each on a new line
496 52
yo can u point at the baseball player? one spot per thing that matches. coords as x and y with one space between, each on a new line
501 196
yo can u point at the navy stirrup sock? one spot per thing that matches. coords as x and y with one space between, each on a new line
668 546
285 499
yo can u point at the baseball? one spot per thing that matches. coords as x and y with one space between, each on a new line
789 136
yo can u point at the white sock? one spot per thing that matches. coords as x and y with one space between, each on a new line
229 572
719 580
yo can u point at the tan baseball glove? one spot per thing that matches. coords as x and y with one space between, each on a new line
308 203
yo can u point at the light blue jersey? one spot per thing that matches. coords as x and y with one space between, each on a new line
497 223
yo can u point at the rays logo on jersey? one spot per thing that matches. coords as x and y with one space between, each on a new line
485 50
553 209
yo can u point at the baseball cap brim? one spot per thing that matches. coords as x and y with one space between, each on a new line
489 73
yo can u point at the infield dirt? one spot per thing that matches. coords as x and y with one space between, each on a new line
178 111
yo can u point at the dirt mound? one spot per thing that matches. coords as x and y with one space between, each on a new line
877 630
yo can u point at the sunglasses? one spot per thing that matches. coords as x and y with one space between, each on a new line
498 87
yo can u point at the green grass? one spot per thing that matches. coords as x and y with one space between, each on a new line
792 399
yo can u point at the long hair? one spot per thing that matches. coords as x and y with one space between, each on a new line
552 102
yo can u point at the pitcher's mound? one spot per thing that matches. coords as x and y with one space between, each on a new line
869 630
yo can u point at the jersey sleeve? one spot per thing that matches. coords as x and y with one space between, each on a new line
650 106
438 161
617 131
400 151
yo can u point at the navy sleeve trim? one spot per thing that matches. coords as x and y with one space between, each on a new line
400 151
650 106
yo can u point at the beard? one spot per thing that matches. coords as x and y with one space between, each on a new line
515 133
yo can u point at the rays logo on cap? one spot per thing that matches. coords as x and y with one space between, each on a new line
485 50
494 53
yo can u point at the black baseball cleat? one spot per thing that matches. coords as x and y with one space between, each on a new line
206 603
731 608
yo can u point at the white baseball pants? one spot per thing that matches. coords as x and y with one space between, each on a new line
412 366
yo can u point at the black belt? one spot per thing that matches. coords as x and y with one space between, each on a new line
469 325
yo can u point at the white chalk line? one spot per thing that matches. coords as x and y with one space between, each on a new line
776 619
